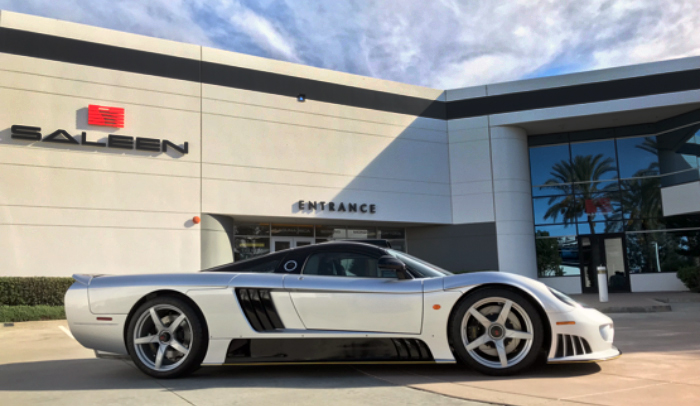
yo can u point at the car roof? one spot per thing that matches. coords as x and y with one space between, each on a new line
344 244
307 250
372 241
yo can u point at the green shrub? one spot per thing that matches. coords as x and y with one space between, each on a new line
690 276
33 291
31 313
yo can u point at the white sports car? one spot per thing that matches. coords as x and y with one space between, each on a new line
332 302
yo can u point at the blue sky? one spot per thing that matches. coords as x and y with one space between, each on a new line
440 43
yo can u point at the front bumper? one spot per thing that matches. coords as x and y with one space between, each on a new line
581 335
611 354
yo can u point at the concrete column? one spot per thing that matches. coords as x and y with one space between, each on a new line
217 240
515 233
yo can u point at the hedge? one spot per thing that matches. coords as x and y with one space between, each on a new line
690 276
33 291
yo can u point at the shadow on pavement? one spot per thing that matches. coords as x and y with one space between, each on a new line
93 374
451 373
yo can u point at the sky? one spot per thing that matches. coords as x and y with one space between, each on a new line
443 44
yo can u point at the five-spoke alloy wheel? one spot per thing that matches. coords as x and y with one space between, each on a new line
496 331
166 338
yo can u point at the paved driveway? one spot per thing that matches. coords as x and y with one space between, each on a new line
660 366
40 364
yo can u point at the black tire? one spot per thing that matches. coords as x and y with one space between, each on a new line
191 333
481 358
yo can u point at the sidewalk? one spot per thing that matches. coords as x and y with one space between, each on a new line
646 302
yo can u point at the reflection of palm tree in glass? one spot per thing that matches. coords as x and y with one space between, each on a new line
584 172
641 196
651 146
641 201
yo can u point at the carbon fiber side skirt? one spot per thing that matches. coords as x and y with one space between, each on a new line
283 350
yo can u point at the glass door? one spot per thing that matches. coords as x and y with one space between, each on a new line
302 241
607 250
284 243
281 243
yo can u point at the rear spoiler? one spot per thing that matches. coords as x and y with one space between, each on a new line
84 279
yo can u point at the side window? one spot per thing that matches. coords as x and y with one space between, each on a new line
344 264
266 264
264 267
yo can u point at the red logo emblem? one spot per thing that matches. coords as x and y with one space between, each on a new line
106 116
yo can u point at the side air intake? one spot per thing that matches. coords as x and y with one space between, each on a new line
570 345
259 309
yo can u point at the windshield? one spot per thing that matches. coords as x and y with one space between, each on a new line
418 266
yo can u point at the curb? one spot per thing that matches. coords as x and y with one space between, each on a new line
677 300
635 309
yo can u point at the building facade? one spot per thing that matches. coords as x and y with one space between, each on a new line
112 143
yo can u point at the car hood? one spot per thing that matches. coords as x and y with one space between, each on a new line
538 290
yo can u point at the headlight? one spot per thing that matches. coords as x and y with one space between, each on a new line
564 298
607 331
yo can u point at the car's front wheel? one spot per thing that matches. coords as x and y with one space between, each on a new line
496 331
167 338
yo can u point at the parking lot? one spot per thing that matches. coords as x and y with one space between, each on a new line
41 364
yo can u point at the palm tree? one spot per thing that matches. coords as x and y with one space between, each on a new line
584 173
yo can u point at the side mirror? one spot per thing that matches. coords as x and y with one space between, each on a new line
394 264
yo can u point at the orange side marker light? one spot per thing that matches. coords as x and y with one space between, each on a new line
566 323
436 307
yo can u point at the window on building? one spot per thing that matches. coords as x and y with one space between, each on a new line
549 170
246 247
253 239
253 229
638 157
593 161
331 232
557 256
662 251
609 181
678 155
291 230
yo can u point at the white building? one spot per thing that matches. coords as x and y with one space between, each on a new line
451 176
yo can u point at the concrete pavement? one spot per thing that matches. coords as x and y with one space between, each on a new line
646 302
40 364
660 366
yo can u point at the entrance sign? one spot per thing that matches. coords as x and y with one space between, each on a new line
340 207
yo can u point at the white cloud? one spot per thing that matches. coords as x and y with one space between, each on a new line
263 32
444 44
170 19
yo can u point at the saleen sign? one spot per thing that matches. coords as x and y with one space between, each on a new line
106 116
28 133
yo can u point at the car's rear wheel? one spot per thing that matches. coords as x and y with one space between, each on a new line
166 338
496 331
